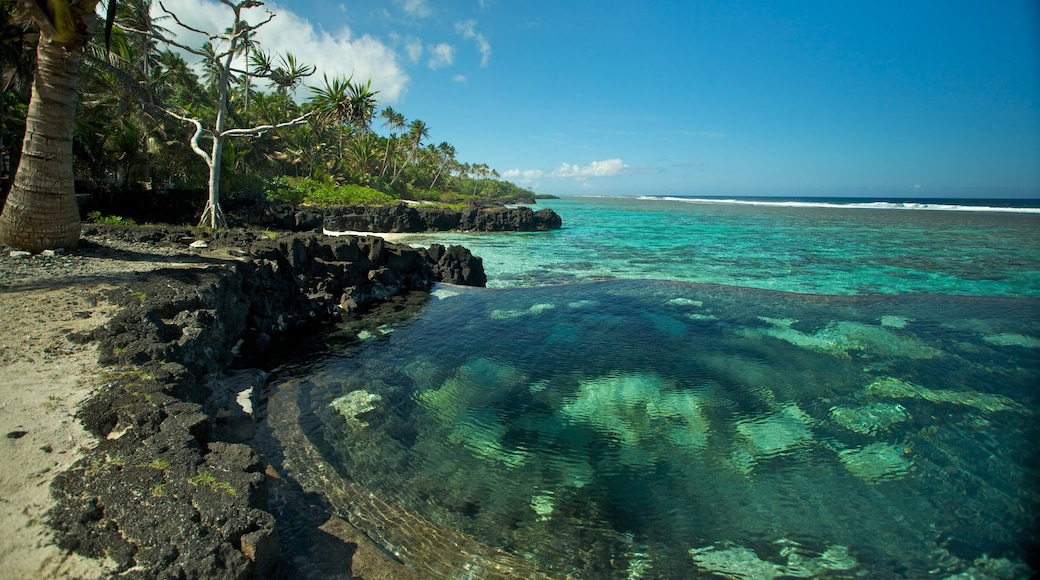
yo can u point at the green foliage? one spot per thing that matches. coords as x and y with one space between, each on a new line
304 190
96 218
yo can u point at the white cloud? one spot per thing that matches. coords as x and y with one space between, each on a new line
417 8
605 168
442 54
413 48
364 57
459 78
468 31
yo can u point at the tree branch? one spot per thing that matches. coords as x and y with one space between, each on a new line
258 131
208 35
194 138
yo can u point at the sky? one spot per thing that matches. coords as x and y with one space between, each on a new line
691 97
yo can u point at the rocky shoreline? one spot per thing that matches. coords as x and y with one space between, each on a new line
396 218
172 487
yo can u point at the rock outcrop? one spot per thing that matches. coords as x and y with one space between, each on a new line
399 218
171 490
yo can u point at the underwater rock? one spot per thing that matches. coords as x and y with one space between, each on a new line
482 436
476 384
890 321
775 433
640 409
542 504
685 302
841 337
876 462
741 562
900 389
1009 339
353 404
869 419
425 371
666 324
458 404
500 314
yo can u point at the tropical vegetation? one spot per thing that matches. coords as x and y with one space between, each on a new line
242 122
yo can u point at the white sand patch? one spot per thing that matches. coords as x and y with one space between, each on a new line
44 377
388 236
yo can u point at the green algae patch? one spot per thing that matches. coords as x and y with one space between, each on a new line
876 462
899 389
869 419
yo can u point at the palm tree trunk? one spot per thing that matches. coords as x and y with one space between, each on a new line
41 211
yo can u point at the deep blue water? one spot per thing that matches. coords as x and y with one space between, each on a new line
674 388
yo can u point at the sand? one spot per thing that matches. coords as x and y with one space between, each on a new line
44 376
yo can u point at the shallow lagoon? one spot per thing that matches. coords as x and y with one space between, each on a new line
643 429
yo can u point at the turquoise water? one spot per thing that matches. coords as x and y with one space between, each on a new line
705 390
813 250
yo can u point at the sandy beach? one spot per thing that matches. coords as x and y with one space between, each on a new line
48 306
44 376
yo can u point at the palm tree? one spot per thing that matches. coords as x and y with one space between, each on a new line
394 120
447 154
41 212
342 102
417 131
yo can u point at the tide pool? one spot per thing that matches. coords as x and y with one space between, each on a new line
657 391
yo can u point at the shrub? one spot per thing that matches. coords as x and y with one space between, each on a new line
97 218
304 190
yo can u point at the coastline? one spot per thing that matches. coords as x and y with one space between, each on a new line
94 448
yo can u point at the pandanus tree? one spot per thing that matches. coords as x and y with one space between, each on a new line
41 212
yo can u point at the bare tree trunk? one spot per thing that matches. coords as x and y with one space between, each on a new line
213 212
41 211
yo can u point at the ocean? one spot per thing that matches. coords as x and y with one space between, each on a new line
685 388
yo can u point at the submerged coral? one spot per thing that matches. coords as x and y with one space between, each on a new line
876 462
353 404
890 321
534 310
900 389
640 409
476 384
462 402
741 562
1009 339
482 436
839 338
869 419
775 433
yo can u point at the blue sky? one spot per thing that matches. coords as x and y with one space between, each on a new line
703 97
